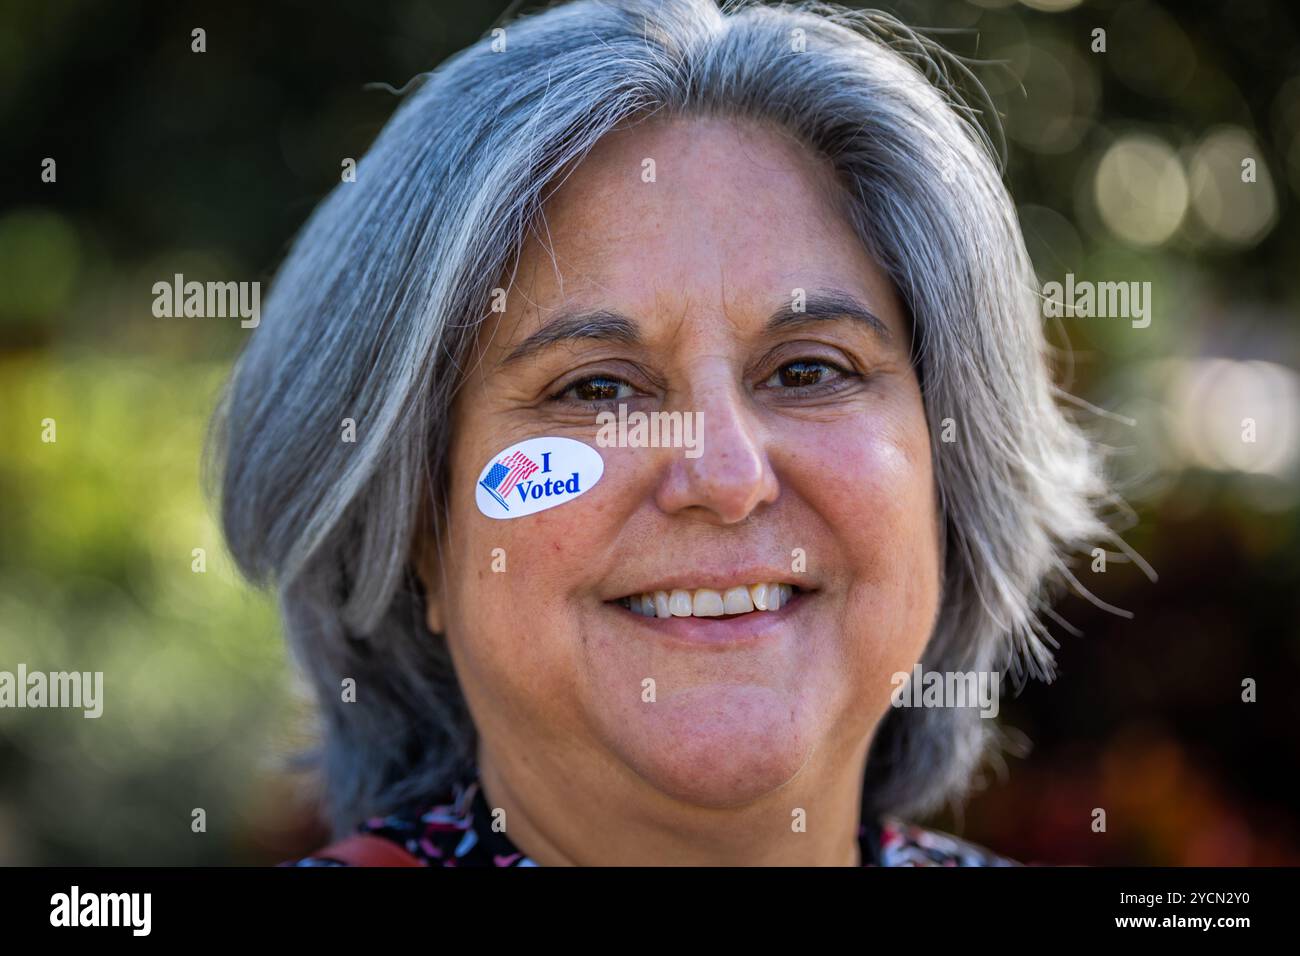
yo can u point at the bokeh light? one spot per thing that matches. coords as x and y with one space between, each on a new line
1141 190
1234 415
1232 190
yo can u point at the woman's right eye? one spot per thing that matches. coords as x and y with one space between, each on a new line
596 388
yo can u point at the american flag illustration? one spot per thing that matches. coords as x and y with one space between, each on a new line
505 474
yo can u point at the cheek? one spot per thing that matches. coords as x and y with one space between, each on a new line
871 483
517 587
894 505
507 582
871 480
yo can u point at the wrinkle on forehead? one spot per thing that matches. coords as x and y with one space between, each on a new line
708 169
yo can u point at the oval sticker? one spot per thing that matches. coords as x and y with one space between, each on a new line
536 474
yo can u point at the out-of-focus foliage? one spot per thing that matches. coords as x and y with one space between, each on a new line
98 573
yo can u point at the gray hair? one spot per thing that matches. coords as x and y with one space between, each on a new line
373 317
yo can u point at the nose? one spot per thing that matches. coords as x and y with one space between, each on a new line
732 475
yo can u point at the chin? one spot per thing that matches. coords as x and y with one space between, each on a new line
717 745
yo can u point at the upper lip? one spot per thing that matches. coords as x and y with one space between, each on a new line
715 580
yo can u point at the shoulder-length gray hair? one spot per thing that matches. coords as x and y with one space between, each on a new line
374 312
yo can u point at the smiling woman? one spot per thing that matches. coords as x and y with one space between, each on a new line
770 220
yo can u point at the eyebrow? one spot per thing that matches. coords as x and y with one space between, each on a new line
599 324
608 326
829 306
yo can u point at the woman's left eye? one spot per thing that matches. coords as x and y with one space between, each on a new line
804 374
597 388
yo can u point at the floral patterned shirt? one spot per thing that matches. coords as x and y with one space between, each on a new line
456 830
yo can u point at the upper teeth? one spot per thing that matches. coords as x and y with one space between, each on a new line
706 602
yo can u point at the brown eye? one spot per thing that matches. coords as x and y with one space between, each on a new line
597 389
801 374
808 377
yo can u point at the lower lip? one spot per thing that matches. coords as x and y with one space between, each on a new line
742 629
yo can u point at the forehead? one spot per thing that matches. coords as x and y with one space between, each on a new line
674 215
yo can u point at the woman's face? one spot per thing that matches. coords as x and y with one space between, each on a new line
815 472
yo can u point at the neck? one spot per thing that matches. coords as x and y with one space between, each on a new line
581 812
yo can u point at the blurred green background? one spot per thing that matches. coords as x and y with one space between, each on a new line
1126 165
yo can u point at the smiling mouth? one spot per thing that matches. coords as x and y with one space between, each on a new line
706 602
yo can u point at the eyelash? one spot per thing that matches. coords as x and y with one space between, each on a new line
842 374
797 390
560 395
